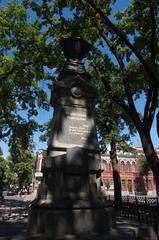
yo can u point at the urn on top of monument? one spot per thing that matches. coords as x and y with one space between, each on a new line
75 47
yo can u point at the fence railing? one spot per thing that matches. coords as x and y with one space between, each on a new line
140 200
140 208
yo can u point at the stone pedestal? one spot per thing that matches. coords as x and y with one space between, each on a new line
71 221
69 199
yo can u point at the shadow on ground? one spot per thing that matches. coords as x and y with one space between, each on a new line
15 228
10 228
17 231
13 202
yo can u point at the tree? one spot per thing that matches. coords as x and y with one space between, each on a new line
24 170
21 155
11 179
7 176
108 135
143 20
23 167
110 125
144 169
2 171
24 56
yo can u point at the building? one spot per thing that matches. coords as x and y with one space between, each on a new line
128 163
39 165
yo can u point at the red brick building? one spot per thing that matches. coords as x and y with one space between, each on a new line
39 164
129 167
128 163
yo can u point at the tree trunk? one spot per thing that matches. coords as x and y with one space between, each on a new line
20 185
116 175
1 181
157 118
151 156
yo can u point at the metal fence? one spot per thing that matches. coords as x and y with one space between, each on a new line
140 208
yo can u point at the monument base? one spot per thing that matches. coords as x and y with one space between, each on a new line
60 222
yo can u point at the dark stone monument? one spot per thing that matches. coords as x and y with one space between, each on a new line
70 200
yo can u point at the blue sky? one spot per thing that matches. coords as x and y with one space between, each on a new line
43 115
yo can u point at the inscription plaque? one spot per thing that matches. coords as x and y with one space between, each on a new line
75 125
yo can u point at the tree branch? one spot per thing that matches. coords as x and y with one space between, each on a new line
14 68
153 32
150 106
127 87
147 105
157 118
152 109
114 51
3 135
123 37
131 112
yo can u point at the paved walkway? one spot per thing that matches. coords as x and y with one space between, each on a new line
14 228
17 231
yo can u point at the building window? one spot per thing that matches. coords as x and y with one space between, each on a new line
133 167
123 184
127 167
122 166
130 186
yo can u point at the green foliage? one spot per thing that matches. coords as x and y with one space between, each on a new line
21 156
26 57
23 167
10 177
2 165
111 122
46 131
7 176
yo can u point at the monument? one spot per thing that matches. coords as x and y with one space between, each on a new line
70 200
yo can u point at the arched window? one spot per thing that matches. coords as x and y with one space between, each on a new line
122 166
133 167
123 184
127 167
